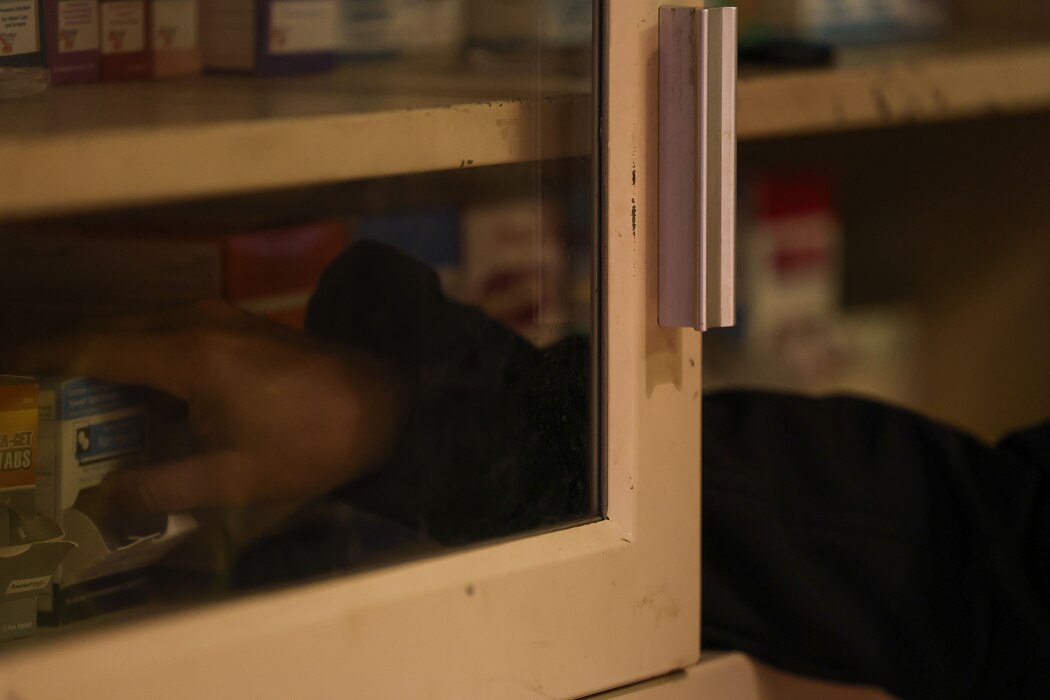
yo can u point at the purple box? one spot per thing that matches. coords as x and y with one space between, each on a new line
275 60
72 33
269 36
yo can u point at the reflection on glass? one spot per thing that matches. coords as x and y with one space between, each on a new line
232 392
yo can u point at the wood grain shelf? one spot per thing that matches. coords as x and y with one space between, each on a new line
92 147
104 146
897 85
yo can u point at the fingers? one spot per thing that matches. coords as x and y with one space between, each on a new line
209 480
158 360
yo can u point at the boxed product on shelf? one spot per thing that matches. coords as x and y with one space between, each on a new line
72 40
270 36
87 430
21 34
789 278
432 25
176 43
844 21
125 38
375 28
18 442
792 258
31 549
368 28
795 333
512 24
516 266
55 278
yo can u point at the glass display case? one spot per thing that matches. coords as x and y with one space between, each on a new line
537 532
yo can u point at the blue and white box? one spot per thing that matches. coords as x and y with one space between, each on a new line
87 429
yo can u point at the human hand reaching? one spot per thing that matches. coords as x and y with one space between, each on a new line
276 417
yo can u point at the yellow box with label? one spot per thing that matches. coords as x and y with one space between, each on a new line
19 398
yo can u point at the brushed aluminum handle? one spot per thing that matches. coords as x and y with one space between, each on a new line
698 51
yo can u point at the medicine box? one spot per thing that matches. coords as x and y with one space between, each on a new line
30 551
72 30
125 40
18 443
21 33
88 429
175 38
270 36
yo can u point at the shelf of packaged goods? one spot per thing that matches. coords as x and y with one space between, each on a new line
888 86
102 146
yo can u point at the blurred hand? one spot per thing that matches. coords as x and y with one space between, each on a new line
276 417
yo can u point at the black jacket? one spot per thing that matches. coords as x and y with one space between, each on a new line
841 538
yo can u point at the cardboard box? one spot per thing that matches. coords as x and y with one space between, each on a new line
270 36
125 37
18 443
176 38
30 552
107 570
21 33
59 278
88 429
72 40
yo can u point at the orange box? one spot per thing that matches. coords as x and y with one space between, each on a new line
18 438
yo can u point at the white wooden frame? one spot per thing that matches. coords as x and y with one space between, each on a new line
562 614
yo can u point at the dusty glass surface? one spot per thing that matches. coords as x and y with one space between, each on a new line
254 386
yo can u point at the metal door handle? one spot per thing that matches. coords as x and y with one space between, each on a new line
697 166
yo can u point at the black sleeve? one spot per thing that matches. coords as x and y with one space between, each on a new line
842 538
496 438
854 541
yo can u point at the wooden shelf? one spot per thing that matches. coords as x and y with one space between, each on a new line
895 85
91 147
94 147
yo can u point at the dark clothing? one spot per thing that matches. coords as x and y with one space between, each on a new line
858 542
842 538
496 440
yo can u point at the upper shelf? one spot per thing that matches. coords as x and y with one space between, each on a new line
900 84
91 147
101 146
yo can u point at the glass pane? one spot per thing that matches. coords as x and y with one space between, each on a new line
290 289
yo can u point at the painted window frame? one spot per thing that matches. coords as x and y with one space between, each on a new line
561 614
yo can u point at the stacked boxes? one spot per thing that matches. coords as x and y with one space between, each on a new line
31 548
270 36
18 436
30 551
88 429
